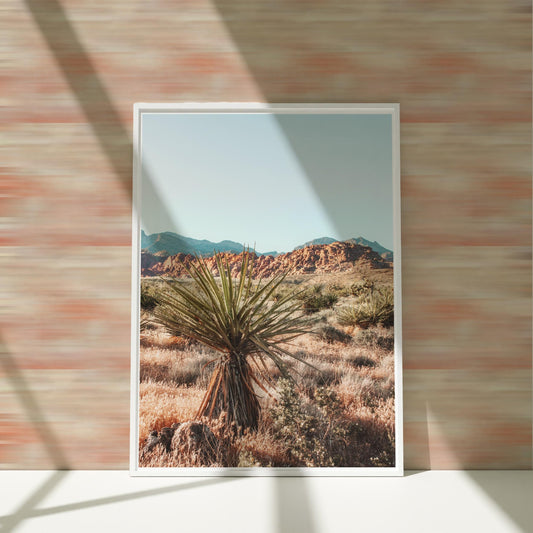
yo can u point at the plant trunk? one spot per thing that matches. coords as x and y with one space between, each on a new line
231 391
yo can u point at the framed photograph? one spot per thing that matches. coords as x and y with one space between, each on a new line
266 309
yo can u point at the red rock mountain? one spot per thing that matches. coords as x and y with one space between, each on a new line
317 259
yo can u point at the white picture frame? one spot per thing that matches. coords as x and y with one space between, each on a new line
140 111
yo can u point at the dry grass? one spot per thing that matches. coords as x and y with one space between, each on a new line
353 426
162 404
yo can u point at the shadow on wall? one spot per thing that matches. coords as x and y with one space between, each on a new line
34 417
34 414
321 56
91 94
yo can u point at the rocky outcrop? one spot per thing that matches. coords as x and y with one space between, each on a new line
164 438
321 258
197 440
148 260
192 442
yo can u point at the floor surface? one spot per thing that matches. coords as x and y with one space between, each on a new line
432 501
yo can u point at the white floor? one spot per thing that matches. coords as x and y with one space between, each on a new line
428 502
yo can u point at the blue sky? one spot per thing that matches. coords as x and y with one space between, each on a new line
273 182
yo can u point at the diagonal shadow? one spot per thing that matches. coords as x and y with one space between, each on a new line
51 443
85 84
10 522
92 96
512 491
27 510
293 506
31 406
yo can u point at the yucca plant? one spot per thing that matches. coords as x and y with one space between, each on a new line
237 318
376 308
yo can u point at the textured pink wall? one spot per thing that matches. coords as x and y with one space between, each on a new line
462 74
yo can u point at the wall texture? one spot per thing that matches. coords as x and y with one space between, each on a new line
72 71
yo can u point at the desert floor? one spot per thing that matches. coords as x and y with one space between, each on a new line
337 412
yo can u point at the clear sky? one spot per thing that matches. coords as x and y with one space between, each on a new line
266 181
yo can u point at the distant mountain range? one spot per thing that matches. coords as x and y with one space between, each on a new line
314 242
336 257
381 250
168 243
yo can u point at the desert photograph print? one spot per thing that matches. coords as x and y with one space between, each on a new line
266 331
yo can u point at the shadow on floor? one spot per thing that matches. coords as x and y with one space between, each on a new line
28 509
294 512
501 487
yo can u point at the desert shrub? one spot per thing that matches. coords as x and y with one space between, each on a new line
373 432
247 459
339 290
280 293
156 372
376 337
331 334
312 378
149 296
298 429
358 360
312 372
376 309
368 391
313 434
181 342
361 287
261 448
314 299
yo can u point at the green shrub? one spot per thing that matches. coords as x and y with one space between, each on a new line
348 315
339 290
314 300
361 287
376 308
314 304
313 290
315 437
